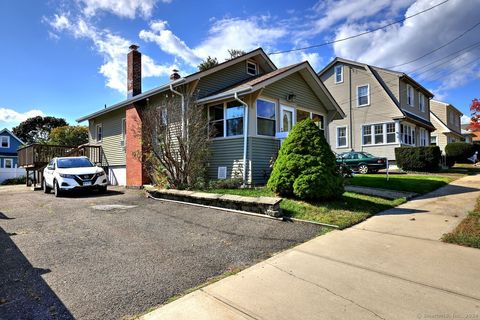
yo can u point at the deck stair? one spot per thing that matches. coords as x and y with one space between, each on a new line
35 157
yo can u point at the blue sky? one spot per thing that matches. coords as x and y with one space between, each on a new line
68 58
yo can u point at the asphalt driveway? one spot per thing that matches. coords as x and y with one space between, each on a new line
117 255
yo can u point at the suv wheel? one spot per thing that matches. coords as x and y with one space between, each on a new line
56 189
363 168
46 188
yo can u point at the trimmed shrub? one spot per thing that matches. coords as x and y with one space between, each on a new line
12 181
424 159
459 152
305 167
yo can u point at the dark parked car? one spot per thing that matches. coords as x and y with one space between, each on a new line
362 162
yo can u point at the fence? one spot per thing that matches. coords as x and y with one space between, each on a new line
9 173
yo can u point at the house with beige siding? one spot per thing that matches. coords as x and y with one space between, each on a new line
252 105
384 109
447 121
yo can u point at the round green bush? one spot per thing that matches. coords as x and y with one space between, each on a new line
459 151
305 167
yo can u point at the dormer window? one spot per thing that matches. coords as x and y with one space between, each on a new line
251 68
339 74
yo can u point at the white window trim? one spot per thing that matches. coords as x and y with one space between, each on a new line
421 98
368 96
4 163
340 66
8 142
346 137
256 67
413 130
372 134
410 89
96 132
257 116
225 120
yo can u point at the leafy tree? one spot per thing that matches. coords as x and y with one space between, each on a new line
234 53
69 136
208 63
475 119
305 167
37 129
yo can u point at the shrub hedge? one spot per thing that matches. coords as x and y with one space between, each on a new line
460 152
305 167
424 159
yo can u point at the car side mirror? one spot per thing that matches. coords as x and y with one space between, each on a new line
50 168
98 164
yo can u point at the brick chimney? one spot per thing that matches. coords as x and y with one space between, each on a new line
134 71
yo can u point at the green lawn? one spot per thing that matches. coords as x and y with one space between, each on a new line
350 209
467 233
402 182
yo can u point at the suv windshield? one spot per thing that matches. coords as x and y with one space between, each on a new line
74 163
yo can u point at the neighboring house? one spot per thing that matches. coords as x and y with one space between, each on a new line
9 143
384 109
276 100
468 135
446 119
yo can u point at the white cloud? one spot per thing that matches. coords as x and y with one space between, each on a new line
415 37
224 34
122 8
114 50
465 119
13 117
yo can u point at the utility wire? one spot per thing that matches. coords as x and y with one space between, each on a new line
438 48
359 34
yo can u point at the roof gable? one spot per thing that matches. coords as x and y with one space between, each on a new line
8 132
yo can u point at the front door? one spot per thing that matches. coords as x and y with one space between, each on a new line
287 118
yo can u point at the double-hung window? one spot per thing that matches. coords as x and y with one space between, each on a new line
363 95
409 95
339 74
99 132
265 117
216 125
421 102
408 134
379 133
423 137
8 163
4 142
341 137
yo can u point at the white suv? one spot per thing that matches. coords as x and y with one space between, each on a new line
70 173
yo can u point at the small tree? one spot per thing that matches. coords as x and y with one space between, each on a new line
69 136
208 63
305 167
234 53
37 129
475 119
176 141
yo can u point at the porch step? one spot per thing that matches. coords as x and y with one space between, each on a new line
262 205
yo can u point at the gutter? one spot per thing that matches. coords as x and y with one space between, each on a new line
245 137
183 108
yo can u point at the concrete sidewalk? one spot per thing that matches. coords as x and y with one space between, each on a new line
391 266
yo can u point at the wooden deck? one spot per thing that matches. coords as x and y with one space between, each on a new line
34 158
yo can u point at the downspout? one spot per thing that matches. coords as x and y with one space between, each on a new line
183 109
245 137
351 113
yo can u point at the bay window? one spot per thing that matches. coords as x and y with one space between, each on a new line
423 137
408 134
265 117
379 133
